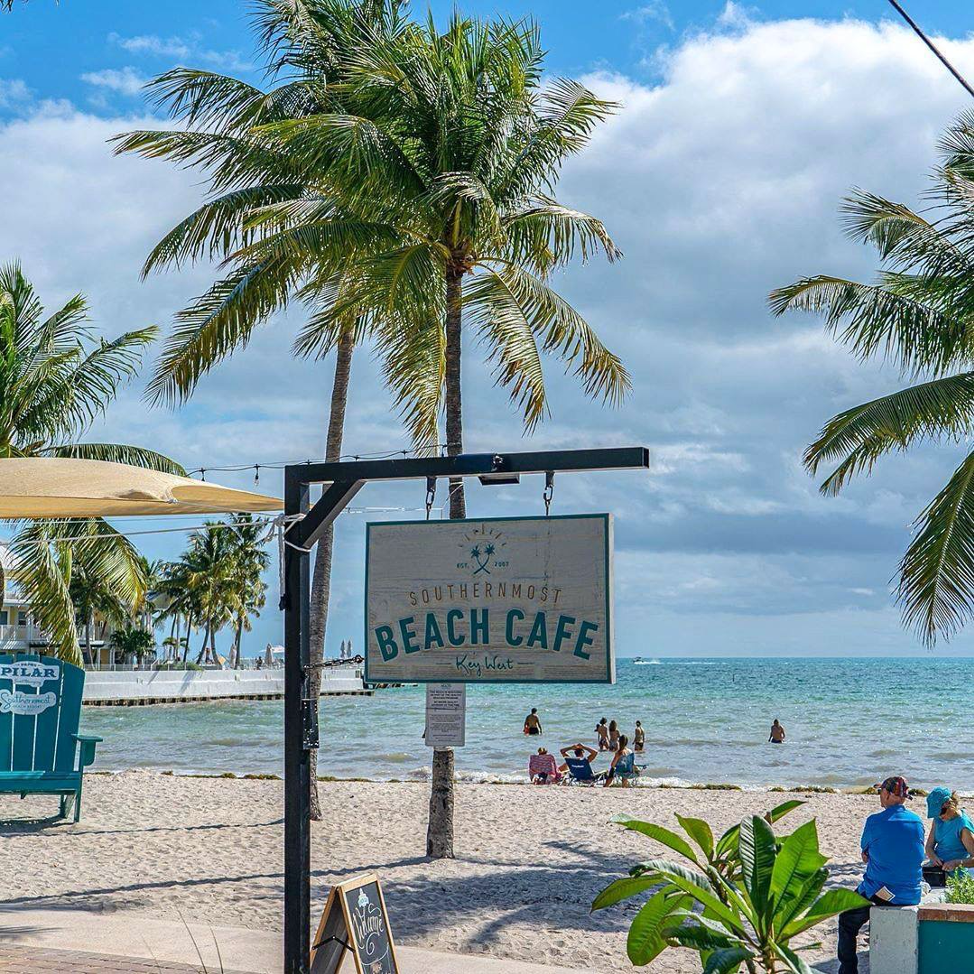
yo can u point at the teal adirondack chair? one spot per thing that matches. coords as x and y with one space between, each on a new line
41 751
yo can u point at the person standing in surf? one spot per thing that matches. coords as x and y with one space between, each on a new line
777 733
602 732
532 723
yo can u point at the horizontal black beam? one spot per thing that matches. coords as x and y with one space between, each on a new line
471 465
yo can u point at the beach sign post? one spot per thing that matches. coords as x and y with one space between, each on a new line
578 634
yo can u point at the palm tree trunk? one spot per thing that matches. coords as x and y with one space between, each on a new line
236 642
89 621
321 583
206 636
439 833
189 635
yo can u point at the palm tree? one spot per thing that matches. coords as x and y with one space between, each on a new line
56 378
421 192
248 588
132 640
919 313
306 43
209 568
93 598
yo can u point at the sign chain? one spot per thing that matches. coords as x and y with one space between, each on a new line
549 490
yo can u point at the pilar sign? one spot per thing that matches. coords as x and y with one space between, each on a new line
490 600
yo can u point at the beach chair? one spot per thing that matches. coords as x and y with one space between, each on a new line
580 772
41 751
625 769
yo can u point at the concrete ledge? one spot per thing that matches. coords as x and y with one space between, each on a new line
893 940
140 687
949 912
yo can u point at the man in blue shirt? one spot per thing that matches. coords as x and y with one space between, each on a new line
892 849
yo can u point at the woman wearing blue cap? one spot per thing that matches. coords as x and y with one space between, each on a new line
950 844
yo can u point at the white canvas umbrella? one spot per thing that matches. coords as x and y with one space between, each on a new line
43 487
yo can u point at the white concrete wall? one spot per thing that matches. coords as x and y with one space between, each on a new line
203 684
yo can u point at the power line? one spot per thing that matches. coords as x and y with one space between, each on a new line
926 40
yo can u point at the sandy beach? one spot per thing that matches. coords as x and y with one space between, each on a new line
529 859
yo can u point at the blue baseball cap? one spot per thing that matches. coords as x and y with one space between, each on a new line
936 801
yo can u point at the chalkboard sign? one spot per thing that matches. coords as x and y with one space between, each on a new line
355 921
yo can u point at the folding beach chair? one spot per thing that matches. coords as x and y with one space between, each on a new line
580 772
625 769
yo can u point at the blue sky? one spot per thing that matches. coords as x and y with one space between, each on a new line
741 128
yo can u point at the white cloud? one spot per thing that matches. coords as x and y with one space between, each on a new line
126 81
183 49
151 44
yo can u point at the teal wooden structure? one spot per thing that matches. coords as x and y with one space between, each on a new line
41 751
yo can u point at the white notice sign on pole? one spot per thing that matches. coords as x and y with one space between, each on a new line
446 714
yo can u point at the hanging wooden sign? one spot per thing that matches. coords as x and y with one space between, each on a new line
492 600
355 922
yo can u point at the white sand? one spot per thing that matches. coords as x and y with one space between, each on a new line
529 859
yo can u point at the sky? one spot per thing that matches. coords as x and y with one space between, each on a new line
740 129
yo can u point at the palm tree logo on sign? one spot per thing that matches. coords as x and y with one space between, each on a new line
482 546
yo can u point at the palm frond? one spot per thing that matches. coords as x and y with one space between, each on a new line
215 325
936 586
872 320
134 456
563 331
939 409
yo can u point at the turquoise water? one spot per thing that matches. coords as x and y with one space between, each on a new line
849 722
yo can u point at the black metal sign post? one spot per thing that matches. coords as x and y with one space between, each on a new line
342 481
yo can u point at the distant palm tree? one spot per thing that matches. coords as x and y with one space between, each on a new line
132 640
920 315
56 378
248 589
94 598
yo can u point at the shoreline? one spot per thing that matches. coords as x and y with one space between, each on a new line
475 779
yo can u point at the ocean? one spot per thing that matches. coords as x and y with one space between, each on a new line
850 722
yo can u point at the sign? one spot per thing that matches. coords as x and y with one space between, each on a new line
28 704
493 600
30 672
446 714
355 921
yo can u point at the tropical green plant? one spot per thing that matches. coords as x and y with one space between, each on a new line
56 378
960 887
408 193
919 314
721 855
746 914
132 640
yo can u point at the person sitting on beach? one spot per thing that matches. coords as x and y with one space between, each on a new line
777 733
543 768
639 738
613 736
623 764
602 730
532 723
578 763
892 849
950 844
